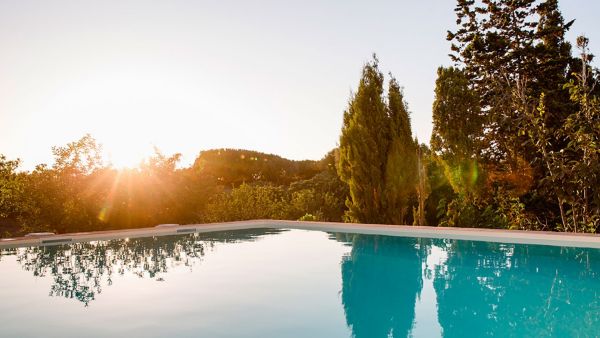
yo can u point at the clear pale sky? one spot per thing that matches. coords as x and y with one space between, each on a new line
273 76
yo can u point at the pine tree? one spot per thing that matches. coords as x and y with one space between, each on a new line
512 51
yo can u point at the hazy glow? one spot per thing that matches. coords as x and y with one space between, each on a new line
190 75
104 214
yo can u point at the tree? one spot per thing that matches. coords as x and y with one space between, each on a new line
401 167
364 148
457 130
512 52
508 47
82 156
12 198
582 132
423 186
377 153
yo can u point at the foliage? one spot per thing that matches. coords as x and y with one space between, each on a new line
82 156
423 185
320 198
456 137
515 142
401 167
377 153
248 202
79 193
12 198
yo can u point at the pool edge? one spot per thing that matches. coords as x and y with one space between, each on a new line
475 234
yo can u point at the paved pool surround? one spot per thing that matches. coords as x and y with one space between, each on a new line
488 235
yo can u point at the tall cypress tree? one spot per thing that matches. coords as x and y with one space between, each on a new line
363 148
401 168
377 153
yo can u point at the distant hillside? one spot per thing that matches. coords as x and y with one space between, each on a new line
237 166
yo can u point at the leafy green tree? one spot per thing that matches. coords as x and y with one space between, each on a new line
10 188
456 145
82 156
457 130
582 132
13 201
322 196
573 170
512 52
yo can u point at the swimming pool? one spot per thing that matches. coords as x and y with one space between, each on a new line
282 282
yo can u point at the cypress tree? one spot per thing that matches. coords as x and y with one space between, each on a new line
377 157
401 168
363 148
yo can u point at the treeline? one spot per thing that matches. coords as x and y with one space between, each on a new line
80 193
516 131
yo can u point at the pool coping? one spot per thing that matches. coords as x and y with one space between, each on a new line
474 234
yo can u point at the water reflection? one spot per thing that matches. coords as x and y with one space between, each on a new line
518 290
381 280
390 286
481 289
80 270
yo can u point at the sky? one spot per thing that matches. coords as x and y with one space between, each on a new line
186 76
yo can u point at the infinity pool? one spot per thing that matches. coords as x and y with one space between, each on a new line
298 283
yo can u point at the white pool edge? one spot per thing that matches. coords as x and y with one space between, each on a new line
488 235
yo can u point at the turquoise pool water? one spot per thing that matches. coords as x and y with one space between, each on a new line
298 283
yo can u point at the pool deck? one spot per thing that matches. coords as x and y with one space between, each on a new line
488 235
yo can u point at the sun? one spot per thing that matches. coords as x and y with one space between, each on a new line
122 154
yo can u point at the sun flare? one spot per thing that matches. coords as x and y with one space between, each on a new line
123 153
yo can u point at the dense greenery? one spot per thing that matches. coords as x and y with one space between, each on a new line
516 128
525 155
80 193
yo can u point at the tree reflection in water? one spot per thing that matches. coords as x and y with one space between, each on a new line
80 270
481 288
381 280
478 288
489 289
